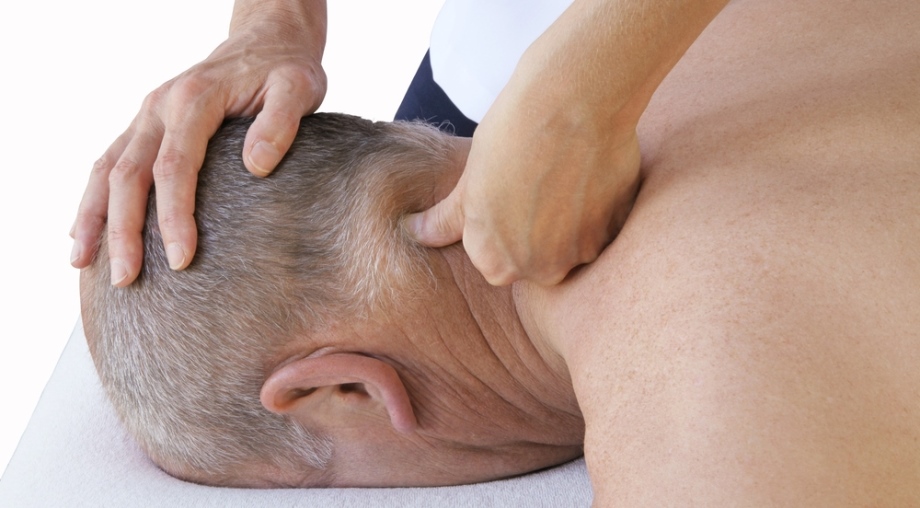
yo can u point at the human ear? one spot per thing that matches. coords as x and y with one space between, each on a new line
345 384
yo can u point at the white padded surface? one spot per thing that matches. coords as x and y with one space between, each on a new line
75 453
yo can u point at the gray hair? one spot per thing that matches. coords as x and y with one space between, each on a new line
183 355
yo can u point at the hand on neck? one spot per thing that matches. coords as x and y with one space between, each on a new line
475 388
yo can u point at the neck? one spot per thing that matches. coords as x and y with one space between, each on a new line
487 349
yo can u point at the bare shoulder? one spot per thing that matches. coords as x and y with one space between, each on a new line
753 333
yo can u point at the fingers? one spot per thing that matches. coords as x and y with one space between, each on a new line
167 142
93 210
544 259
148 152
490 255
129 184
544 251
274 129
191 124
501 258
440 225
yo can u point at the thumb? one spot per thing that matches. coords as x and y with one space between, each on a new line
273 131
440 225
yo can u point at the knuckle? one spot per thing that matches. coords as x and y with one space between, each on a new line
502 278
500 273
284 120
153 100
191 87
170 163
298 77
171 220
119 233
304 81
495 259
102 165
123 170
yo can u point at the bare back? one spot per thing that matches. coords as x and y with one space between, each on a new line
753 335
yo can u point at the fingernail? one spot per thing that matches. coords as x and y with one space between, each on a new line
263 156
73 229
176 256
119 272
75 253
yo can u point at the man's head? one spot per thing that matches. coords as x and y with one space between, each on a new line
305 345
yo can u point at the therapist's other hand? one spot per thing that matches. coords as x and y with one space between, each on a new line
539 195
554 167
269 69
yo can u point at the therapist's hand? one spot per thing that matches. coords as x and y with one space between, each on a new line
541 193
269 67
554 166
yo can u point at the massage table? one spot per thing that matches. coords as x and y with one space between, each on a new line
75 453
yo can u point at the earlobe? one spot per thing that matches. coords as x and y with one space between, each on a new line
357 377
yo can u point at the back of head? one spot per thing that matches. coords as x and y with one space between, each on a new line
183 355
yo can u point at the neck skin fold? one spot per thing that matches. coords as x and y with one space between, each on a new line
486 359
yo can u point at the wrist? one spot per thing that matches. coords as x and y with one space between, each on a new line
297 21
558 105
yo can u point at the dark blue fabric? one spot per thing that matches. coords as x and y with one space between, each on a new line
427 101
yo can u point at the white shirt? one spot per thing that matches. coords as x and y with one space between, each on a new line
476 44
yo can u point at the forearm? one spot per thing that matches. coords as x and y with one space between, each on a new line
602 60
284 19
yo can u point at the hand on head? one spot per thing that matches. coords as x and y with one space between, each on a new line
269 68
547 185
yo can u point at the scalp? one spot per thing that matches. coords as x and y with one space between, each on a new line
183 355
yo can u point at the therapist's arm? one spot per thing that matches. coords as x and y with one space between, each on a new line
269 66
554 166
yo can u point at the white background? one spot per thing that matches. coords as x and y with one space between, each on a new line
73 77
